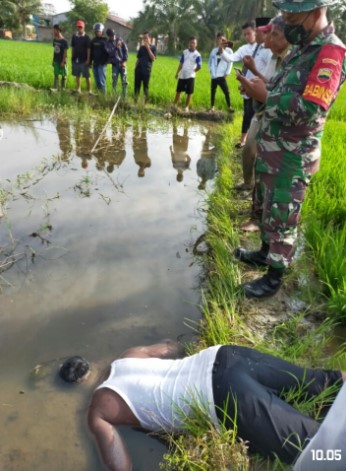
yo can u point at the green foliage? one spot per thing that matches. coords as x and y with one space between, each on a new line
8 17
25 8
324 217
90 11
203 448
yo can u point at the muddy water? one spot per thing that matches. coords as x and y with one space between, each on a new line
102 245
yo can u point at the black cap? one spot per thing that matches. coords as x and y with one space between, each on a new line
110 32
262 21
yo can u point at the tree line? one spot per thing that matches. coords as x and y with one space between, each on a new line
177 20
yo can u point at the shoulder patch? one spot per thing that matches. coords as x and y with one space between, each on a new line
324 79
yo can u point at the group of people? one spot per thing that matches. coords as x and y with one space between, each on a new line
96 53
288 97
238 387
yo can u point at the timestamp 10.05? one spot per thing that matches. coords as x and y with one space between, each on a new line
326 455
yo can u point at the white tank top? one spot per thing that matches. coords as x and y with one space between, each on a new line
160 392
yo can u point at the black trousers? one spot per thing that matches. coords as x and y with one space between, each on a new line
139 79
247 115
222 83
250 383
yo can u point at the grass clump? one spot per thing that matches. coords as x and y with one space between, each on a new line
202 447
324 219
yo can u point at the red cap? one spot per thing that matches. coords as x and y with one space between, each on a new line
265 29
80 23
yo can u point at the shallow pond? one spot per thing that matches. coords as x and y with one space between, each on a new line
102 246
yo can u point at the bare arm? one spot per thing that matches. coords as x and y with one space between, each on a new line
180 66
150 53
110 444
64 57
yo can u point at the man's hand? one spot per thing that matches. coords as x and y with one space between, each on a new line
249 63
254 88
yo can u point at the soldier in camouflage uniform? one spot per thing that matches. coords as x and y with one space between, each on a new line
297 99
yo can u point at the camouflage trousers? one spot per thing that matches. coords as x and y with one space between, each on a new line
277 204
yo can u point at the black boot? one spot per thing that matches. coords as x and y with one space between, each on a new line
265 286
251 257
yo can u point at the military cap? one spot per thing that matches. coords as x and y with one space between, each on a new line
298 6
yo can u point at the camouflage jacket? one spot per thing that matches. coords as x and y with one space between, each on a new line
299 98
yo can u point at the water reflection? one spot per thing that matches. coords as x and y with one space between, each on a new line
116 151
110 277
180 158
64 134
140 149
84 141
206 165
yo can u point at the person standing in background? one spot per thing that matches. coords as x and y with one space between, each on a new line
219 70
117 56
59 58
261 57
99 57
80 45
145 58
190 63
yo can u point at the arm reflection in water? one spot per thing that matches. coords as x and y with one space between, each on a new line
111 149
180 158
206 165
140 149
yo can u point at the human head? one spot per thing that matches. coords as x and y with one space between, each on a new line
146 37
98 29
220 38
118 40
74 369
304 19
56 30
110 33
192 43
278 42
260 32
180 175
249 32
80 25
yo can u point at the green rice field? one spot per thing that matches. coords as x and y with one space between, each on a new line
322 265
31 63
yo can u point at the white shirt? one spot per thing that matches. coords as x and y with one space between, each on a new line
240 53
218 67
190 60
161 393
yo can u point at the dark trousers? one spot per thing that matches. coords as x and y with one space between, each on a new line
139 79
247 115
222 83
253 382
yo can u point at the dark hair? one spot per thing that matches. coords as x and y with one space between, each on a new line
192 38
57 27
220 34
73 369
146 32
249 24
